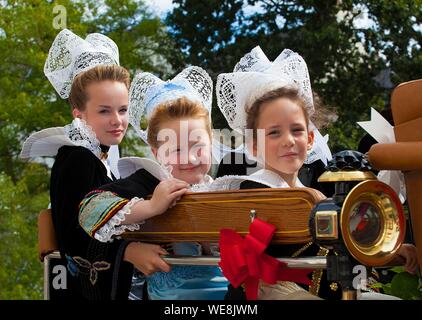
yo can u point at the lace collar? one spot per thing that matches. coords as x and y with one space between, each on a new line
81 134
232 182
47 142
205 183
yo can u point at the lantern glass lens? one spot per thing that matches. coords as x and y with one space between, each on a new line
365 223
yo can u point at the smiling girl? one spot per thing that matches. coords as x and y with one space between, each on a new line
284 119
271 103
179 134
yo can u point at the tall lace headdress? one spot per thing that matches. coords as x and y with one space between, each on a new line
70 55
255 75
148 91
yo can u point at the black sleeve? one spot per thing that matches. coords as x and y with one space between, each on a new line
252 185
74 175
140 184
235 163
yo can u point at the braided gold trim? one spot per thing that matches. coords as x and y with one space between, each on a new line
317 274
298 252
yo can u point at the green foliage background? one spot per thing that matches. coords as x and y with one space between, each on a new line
344 57
29 103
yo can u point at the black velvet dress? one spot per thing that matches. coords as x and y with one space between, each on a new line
90 263
140 184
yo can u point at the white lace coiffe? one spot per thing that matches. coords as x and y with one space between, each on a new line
148 91
256 75
70 55
253 76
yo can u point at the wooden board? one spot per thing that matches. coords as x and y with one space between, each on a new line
200 216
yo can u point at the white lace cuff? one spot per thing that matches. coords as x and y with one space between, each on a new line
113 227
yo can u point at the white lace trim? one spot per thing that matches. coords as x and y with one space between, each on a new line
81 134
232 182
199 186
47 142
114 227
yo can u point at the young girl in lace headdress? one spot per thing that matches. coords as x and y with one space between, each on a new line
179 134
87 73
271 102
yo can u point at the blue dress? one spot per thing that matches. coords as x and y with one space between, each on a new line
188 282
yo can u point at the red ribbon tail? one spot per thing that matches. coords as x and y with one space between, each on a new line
251 288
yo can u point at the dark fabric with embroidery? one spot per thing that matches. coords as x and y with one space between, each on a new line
76 172
140 184
290 250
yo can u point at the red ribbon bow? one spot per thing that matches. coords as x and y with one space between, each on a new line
244 260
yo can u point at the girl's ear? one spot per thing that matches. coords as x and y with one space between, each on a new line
311 137
76 113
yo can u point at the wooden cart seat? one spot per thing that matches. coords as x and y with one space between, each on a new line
200 216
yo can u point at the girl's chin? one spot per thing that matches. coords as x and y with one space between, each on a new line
110 142
193 180
284 170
